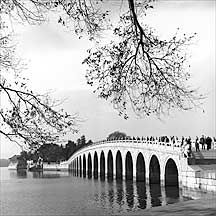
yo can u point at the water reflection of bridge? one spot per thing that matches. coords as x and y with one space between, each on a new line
147 161
130 195
115 195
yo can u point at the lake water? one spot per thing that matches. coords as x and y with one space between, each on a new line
61 193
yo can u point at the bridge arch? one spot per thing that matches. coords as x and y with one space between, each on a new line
80 166
118 165
128 166
140 168
154 170
95 165
102 165
110 165
84 165
171 173
89 166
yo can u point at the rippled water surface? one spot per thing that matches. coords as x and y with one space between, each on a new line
61 193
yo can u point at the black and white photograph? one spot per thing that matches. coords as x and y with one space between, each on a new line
107 107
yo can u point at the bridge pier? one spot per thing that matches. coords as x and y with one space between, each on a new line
114 167
99 166
134 167
123 167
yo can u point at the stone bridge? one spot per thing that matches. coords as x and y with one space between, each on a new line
141 160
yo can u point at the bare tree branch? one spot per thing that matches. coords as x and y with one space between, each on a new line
140 68
136 68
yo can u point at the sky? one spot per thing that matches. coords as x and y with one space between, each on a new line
54 56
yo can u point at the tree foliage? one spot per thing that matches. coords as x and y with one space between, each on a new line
28 118
31 117
136 68
117 135
55 153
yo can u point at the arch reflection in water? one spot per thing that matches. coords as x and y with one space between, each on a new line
119 192
172 194
155 193
129 193
111 193
141 195
123 196
118 195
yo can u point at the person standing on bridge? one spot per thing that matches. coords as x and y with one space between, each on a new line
208 142
197 144
202 141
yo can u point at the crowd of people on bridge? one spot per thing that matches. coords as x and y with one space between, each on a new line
204 142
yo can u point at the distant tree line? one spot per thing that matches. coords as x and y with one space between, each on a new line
54 152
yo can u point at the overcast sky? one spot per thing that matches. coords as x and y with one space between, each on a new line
54 63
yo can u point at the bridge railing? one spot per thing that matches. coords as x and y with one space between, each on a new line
170 145
175 144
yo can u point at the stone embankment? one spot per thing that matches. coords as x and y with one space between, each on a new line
201 172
